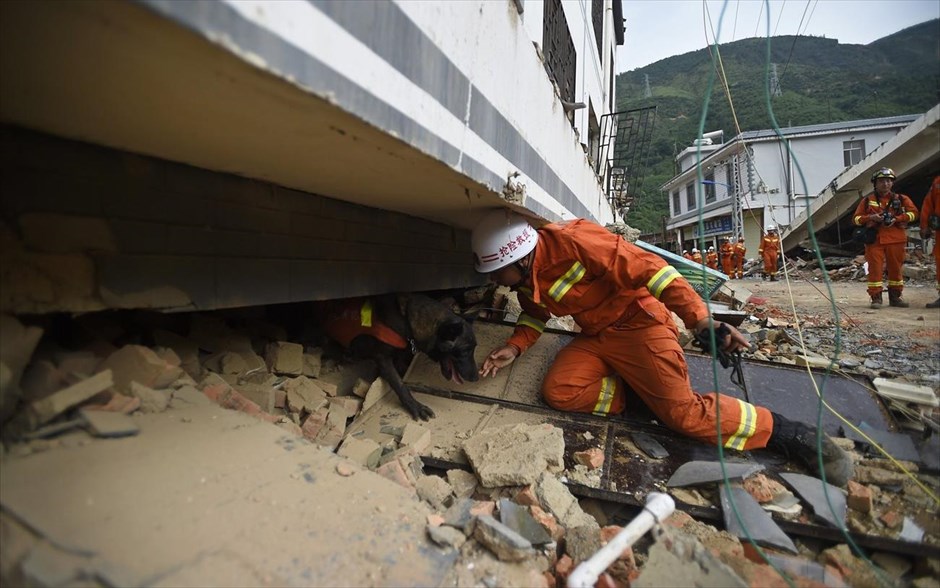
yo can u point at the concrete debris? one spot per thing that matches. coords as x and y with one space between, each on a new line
515 455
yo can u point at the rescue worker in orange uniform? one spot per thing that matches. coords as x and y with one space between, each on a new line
930 223
739 252
622 297
890 213
711 258
696 255
727 257
686 254
769 250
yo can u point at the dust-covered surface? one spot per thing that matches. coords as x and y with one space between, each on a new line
239 452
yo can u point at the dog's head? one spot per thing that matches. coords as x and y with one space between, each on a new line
453 349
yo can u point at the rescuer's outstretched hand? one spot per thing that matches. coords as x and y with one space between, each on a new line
498 359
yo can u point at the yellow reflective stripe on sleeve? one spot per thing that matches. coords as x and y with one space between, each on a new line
530 321
606 396
565 282
365 314
661 279
895 283
858 220
746 428
910 215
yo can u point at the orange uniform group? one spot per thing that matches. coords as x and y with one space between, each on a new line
889 213
621 297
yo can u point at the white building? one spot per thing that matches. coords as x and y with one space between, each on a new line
348 144
759 178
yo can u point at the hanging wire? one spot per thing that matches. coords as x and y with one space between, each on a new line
711 323
838 332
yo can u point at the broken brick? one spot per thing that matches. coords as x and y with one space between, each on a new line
227 397
593 458
548 521
526 497
860 497
891 518
396 473
313 424
417 437
365 452
136 363
564 567
762 488
611 531
285 358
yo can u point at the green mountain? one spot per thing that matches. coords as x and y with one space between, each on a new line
821 81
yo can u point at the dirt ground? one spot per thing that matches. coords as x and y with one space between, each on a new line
812 301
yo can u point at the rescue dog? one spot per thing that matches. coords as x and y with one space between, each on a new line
390 329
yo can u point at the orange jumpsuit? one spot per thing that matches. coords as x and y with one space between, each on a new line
621 297
739 251
711 260
687 256
727 260
770 250
697 257
891 240
932 206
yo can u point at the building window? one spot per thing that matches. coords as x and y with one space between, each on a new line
853 152
558 48
676 206
710 188
597 15
690 196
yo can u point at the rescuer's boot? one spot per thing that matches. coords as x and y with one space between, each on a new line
894 299
876 301
796 440
934 304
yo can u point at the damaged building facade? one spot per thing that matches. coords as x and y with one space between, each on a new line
192 156
758 178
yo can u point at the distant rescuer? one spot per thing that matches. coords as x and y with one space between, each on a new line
711 258
739 252
727 257
930 222
769 250
890 214
621 297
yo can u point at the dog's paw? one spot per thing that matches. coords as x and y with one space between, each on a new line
421 412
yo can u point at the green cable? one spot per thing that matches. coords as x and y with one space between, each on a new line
835 312
714 349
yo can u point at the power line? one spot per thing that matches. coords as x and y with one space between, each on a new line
793 45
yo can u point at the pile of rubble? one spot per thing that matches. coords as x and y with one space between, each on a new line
917 267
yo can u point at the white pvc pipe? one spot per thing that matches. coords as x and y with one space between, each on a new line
658 508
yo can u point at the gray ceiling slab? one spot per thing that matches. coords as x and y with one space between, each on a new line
789 391
754 520
704 472
814 492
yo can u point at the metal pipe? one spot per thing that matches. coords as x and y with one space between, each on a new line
658 508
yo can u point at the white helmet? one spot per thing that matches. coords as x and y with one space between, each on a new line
772 228
711 248
500 239
685 251
694 250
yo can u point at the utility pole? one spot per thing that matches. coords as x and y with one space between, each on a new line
647 93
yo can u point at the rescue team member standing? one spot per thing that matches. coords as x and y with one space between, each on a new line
739 251
930 223
696 255
770 251
622 297
711 258
727 257
685 254
889 213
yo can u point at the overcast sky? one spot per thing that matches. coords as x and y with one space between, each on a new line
656 29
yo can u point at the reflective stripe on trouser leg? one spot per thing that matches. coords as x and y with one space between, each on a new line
606 396
747 426
580 381
875 256
894 259
647 356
